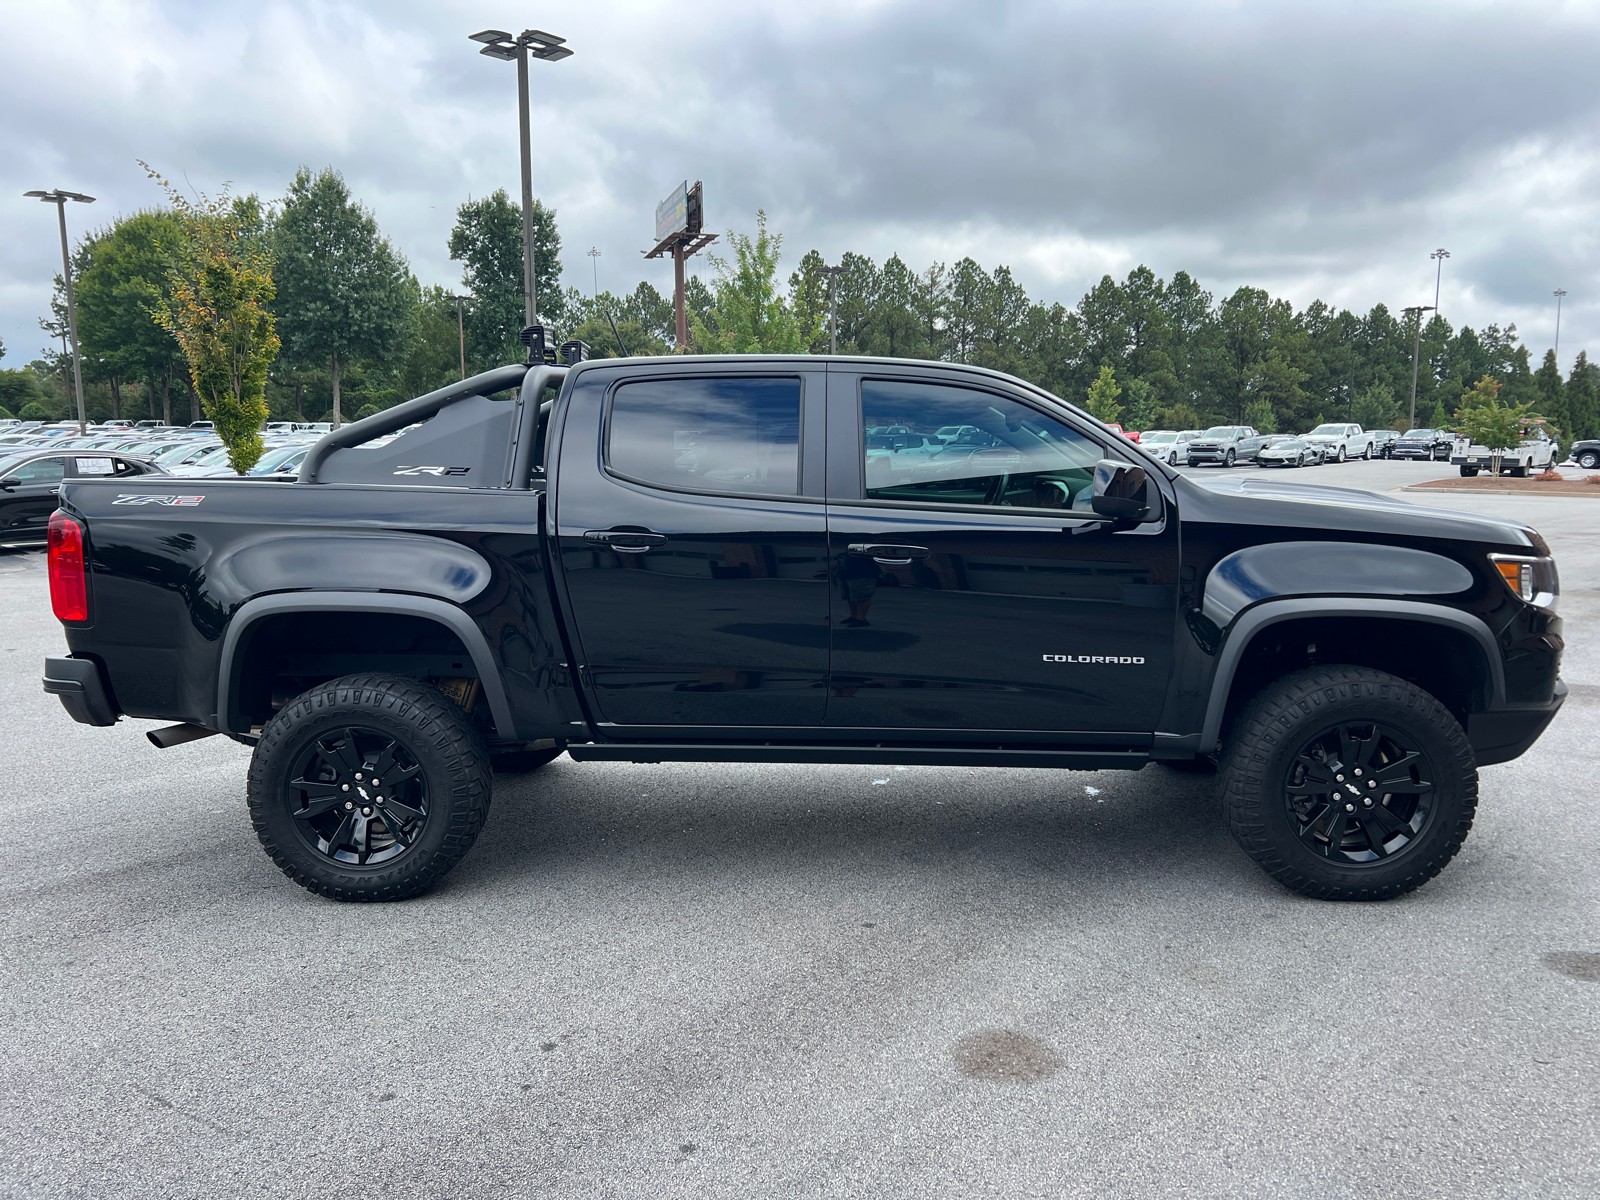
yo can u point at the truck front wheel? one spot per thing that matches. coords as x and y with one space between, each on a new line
1346 783
369 787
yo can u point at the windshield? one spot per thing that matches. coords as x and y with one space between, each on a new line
1158 437
213 457
1219 431
1286 444
1420 433
1333 429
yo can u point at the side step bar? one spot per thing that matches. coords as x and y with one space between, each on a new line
918 756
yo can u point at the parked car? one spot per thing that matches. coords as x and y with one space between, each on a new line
203 426
1289 452
1431 444
1131 435
1340 441
1587 453
1383 442
1166 444
387 627
1224 444
31 480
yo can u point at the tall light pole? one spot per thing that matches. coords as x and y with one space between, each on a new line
550 48
1558 293
1438 256
1416 349
833 274
594 258
461 331
59 198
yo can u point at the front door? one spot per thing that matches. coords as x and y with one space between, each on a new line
973 589
694 562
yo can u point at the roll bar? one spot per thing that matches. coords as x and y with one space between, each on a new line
412 411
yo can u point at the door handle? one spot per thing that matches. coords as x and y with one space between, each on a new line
626 540
889 556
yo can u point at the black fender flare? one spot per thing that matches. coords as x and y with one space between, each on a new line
449 615
1272 612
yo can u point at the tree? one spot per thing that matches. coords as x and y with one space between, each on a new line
1142 406
123 284
1375 407
1583 397
1103 393
749 315
487 240
1486 417
1259 416
1179 417
1552 402
343 290
221 287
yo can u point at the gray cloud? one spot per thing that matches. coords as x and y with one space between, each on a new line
1314 151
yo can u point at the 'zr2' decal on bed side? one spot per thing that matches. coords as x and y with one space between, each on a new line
157 498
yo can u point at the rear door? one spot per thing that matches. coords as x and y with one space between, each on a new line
693 547
973 592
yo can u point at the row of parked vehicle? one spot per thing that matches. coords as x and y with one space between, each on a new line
1225 445
36 458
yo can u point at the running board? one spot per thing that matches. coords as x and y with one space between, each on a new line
917 756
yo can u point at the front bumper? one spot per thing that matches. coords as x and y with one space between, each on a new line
1209 454
83 693
1411 452
1501 734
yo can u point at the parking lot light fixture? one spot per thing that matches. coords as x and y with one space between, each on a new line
546 46
461 330
1416 349
833 274
1558 293
59 198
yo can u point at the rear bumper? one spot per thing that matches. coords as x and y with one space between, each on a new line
1502 734
83 693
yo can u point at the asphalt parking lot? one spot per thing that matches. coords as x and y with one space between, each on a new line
740 981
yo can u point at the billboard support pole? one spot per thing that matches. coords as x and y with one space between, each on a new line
679 223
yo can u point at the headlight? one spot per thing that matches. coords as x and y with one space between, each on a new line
1533 580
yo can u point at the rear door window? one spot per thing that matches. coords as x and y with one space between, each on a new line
717 434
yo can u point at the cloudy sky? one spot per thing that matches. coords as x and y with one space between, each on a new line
1317 150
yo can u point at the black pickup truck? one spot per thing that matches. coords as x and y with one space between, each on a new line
711 559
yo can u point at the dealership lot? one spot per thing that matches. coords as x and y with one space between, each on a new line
727 980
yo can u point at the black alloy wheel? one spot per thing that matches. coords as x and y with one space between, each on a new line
369 787
359 797
1347 783
1355 792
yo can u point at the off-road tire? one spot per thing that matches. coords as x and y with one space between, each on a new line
434 732
1469 472
1280 721
515 762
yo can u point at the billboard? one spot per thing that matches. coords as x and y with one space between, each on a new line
672 214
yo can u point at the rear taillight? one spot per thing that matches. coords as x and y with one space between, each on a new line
69 585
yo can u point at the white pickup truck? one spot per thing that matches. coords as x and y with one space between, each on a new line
1340 441
1536 453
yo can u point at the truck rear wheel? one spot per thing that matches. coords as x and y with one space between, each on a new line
1468 472
369 787
1346 783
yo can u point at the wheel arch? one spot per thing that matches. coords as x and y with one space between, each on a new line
1252 650
442 614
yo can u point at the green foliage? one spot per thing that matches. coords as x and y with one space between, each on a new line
748 314
1140 411
1375 407
18 388
6 414
1259 416
344 289
487 240
367 410
1178 417
35 411
1103 393
123 283
1489 418
221 286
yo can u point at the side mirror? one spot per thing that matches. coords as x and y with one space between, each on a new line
9 482
1120 491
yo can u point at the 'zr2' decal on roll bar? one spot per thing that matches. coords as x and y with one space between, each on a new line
158 498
